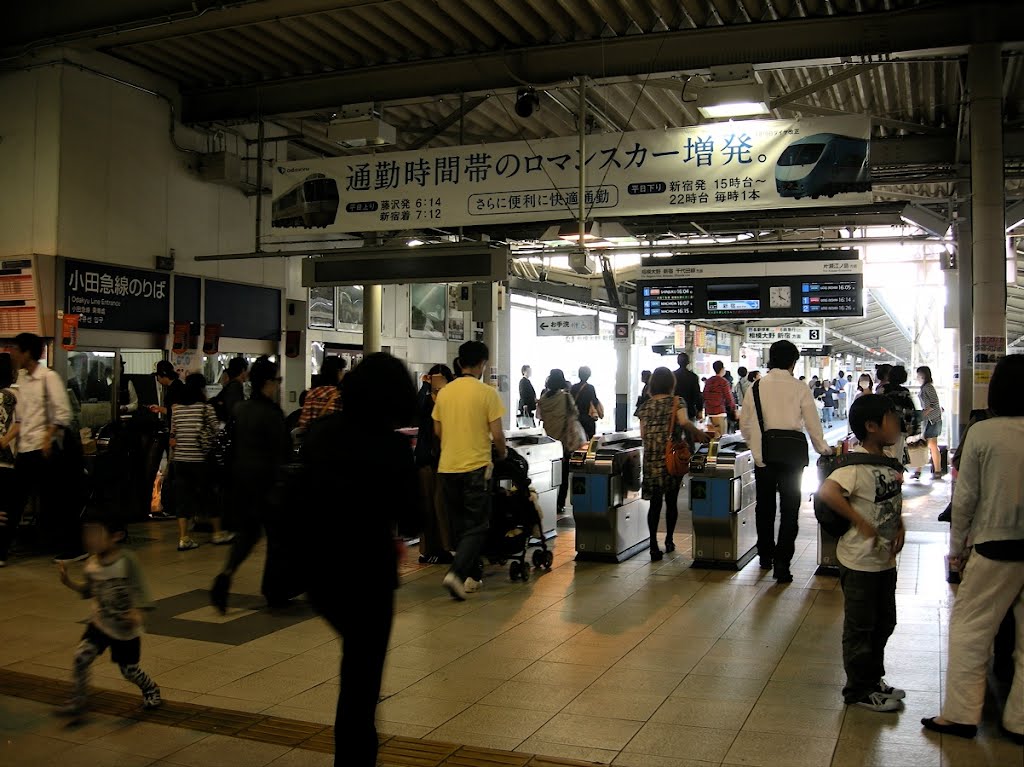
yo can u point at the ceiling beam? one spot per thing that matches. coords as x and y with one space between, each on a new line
886 122
923 27
447 121
884 306
820 85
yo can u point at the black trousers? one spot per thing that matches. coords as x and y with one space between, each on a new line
59 519
869 618
11 504
364 624
784 482
563 489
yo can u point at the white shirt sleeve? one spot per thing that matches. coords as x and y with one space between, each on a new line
965 497
812 422
57 394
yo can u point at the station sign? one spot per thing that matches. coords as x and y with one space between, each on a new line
107 297
800 335
735 166
568 325
787 285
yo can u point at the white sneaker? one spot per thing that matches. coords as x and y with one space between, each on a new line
472 585
187 544
3 563
455 586
895 693
222 538
878 702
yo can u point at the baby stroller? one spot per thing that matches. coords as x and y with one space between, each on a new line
514 517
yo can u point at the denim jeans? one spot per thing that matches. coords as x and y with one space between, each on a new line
786 482
868 622
826 415
467 498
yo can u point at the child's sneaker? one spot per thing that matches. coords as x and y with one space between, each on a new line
222 538
472 585
895 693
187 544
152 699
878 702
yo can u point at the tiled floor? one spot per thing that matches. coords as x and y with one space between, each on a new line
641 664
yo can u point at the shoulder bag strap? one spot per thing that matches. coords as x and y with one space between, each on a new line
757 405
866 459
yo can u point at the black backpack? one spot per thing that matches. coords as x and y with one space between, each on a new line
830 520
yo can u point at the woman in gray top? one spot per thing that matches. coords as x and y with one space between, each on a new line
557 409
931 415
988 524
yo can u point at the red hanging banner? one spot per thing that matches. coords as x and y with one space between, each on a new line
211 339
182 331
69 332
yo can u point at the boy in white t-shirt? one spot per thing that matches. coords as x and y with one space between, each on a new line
871 497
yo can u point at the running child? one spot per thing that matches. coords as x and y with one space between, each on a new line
113 579
871 497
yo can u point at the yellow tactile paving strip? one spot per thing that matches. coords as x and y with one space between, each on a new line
394 751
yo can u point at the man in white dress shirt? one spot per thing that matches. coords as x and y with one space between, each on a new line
787 405
43 413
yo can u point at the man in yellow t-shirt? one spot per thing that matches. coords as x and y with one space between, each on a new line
467 417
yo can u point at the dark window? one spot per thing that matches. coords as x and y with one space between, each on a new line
801 154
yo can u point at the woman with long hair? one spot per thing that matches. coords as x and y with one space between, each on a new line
435 540
987 525
865 385
660 417
557 410
360 449
931 415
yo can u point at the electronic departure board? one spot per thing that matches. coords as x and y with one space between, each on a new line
818 284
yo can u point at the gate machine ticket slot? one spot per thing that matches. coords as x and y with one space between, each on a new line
722 500
610 515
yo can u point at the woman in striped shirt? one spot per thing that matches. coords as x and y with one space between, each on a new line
194 426
931 414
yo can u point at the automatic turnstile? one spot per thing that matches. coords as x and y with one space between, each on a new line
723 497
610 515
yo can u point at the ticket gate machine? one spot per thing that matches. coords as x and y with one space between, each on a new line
544 457
610 515
723 498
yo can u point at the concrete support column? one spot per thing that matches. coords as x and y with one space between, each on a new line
985 86
623 374
965 317
372 300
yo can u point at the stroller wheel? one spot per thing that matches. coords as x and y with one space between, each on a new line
549 560
525 574
515 570
539 559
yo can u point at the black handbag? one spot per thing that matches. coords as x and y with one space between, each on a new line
785 448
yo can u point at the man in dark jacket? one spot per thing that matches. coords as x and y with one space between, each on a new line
261 446
688 387
527 395
233 393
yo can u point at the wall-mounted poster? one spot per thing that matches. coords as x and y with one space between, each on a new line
321 308
456 318
427 304
350 308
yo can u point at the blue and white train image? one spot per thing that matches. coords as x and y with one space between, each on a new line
823 165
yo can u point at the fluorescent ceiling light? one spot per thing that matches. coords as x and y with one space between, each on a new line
733 100
1015 215
925 219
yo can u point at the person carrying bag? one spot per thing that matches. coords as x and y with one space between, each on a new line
778 410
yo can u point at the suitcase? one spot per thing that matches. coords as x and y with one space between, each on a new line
943 458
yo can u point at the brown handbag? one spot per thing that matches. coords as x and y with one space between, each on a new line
677 451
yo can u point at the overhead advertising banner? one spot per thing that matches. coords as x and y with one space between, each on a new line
115 298
795 285
713 168
801 335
